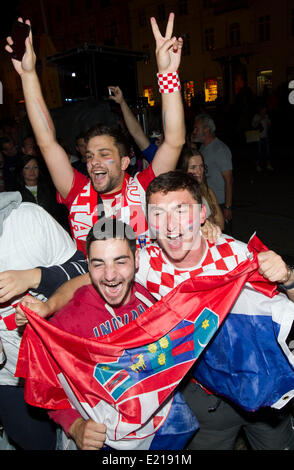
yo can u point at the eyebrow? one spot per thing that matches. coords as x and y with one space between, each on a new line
99 149
101 260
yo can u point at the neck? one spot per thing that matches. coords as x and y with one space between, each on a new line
208 139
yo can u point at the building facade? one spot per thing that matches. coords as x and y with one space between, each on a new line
229 46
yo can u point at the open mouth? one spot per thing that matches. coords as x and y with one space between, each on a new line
112 289
98 175
175 241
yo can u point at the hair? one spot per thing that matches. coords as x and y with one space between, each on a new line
121 141
109 227
5 140
81 135
22 161
206 121
174 181
185 157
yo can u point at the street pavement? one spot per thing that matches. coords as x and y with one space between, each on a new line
264 201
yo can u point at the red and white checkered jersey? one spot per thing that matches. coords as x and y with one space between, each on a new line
159 276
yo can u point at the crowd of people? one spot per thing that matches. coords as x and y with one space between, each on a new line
96 246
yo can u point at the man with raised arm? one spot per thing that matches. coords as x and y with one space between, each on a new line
107 158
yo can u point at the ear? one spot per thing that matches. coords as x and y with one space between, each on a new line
125 161
203 214
137 259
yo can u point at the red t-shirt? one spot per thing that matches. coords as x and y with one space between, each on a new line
86 316
127 205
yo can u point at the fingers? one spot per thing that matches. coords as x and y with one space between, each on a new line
169 26
272 266
156 33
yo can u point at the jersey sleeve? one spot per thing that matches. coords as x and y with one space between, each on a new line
145 177
53 277
78 183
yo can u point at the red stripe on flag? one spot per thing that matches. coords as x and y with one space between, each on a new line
184 347
176 334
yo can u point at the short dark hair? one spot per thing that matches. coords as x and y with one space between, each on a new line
120 139
174 181
4 140
109 227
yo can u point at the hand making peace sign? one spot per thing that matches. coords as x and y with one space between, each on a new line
168 49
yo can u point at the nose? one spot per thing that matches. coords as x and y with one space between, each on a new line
171 222
109 272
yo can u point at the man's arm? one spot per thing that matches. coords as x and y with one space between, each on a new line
273 268
55 156
57 300
132 123
168 57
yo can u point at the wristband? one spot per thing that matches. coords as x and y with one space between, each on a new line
289 286
168 82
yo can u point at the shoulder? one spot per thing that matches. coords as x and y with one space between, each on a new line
29 212
143 291
83 300
229 246
79 182
145 177
221 146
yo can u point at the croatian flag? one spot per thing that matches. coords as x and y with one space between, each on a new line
250 360
128 378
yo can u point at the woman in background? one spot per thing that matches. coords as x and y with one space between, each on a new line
191 161
35 187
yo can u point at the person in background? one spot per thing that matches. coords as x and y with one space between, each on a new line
191 161
218 160
147 146
35 187
262 123
81 148
10 156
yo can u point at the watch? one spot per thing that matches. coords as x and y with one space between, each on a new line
289 286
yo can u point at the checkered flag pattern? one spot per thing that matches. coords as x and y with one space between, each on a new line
162 276
168 82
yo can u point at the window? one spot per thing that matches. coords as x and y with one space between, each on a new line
264 28
209 39
72 7
148 93
186 45
161 12
88 4
142 17
105 3
183 7
59 14
235 34
264 82
210 89
189 92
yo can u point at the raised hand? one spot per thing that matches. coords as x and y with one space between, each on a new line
118 96
168 49
29 59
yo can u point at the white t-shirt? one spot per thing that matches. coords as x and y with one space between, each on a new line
31 237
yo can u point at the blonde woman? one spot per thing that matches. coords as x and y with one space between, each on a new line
192 162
